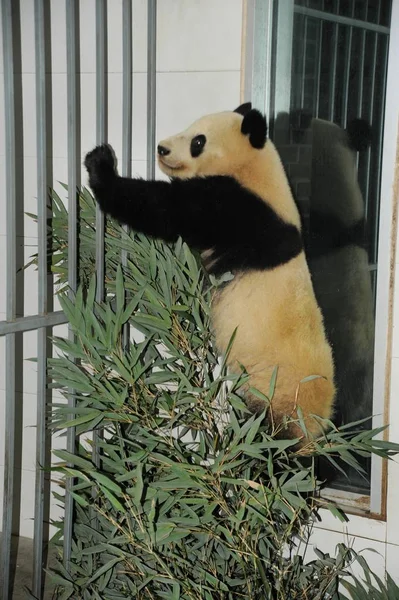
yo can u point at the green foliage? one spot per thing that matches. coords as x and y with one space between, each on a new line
194 498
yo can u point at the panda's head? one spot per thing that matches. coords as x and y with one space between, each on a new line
218 144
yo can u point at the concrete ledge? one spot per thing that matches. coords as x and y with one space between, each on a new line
23 563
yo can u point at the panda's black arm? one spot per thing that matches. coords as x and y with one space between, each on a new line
200 209
213 212
134 202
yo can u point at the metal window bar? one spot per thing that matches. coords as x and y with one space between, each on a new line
361 83
30 323
318 72
371 115
72 26
10 480
384 68
345 96
43 458
151 86
333 72
127 109
262 57
304 53
370 120
101 126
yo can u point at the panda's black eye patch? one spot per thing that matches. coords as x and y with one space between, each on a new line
197 145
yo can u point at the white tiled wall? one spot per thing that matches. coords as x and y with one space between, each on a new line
198 64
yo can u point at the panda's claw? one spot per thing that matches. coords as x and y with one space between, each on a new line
100 163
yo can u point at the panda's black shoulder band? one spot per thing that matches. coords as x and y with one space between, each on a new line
207 212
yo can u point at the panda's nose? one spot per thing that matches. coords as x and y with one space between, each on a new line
162 151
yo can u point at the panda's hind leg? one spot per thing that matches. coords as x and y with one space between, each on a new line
283 417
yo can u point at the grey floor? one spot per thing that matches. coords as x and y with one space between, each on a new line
23 573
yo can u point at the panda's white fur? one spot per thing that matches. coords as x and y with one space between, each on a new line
271 305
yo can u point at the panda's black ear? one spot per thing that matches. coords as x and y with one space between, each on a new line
254 124
360 134
243 109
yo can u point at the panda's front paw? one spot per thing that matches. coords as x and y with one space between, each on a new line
101 165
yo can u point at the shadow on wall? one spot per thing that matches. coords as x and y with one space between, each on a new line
321 162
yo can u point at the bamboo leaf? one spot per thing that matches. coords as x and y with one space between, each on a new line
104 569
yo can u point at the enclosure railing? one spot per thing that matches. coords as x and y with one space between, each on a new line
16 324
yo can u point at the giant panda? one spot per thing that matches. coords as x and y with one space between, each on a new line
229 198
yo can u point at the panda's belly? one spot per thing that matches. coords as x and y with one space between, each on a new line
277 322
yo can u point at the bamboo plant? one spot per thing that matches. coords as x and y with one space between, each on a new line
190 496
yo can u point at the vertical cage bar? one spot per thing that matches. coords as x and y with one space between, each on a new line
282 71
333 76
151 85
72 32
10 481
262 63
127 106
304 47
379 161
72 22
345 98
101 125
361 83
370 119
361 75
318 72
127 89
41 485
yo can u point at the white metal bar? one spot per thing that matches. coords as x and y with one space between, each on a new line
151 85
73 99
22 324
262 58
42 488
283 57
127 106
248 49
101 115
127 89
10 481
72 29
